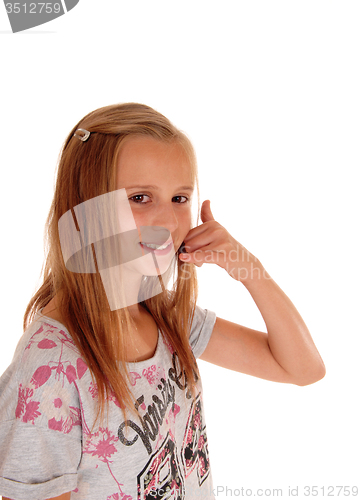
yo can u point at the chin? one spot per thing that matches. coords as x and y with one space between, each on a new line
146 267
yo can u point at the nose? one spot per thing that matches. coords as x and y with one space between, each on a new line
165 216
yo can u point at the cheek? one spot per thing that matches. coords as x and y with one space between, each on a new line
140 219
185 222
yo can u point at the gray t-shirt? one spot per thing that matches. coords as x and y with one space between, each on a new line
48 445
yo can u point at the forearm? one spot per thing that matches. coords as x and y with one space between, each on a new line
289 339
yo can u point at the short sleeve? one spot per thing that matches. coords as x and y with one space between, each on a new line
201 330
40 420
36 463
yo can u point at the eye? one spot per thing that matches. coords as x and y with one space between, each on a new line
139 198
184 199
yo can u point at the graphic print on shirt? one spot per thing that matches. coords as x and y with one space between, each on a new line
163 474
102 445
168 434
161 477
194 452
153 375
152 420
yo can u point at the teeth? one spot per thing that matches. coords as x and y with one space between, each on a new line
155 247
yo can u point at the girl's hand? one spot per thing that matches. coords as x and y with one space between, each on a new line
286 353
211 243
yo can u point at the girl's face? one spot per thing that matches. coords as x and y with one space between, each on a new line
158 181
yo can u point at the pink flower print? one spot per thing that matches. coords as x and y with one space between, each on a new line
201 442
46 344
175 410
149 374
75 414
55 425
170 419
174 486
23 395
151 485
189 436
31 411
157 462
93 389
39 330
202 466
27 409
55 405
59 369
65 425
81 367
33 341
134 377
114 399
197 421
70 373
101 444
119 496
83 492
41 375
153 375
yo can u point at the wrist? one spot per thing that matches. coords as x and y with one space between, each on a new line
255 275
248 271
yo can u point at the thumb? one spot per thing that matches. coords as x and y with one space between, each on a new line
206 213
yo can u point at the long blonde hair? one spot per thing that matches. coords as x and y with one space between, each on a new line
87 170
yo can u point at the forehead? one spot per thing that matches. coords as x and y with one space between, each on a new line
148 160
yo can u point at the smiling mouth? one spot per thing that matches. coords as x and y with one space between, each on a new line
157 247
153 246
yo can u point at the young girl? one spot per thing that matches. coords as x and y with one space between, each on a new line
103 398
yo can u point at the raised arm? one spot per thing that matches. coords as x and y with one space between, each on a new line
286 352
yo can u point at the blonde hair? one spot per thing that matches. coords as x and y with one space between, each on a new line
86 170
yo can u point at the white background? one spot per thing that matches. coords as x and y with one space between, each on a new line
268 92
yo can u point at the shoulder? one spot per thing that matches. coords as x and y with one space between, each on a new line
39 386
46 343
40 415
201 329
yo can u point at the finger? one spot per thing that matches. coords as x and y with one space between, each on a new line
195 232
187 257
199 241
206 213
198 257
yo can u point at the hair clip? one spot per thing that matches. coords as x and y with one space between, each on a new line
84 134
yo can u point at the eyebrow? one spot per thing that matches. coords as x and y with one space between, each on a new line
156 188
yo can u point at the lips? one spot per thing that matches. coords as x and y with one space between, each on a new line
156 248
